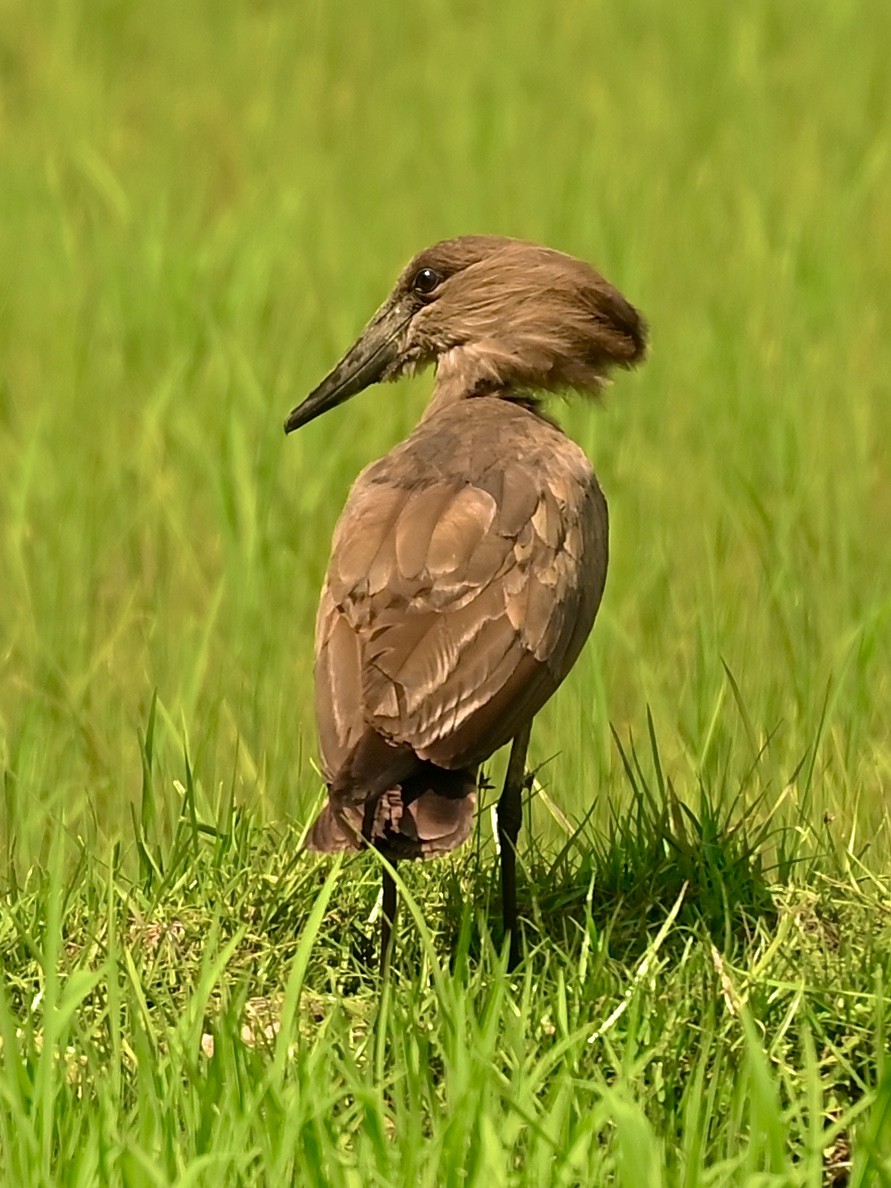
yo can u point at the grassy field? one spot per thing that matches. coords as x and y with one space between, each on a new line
201 205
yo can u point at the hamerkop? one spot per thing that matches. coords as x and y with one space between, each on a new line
468 564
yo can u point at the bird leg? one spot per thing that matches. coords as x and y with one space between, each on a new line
510 818
388 918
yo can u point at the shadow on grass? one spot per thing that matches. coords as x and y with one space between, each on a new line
625 883
622 883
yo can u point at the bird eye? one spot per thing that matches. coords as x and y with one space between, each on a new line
426 280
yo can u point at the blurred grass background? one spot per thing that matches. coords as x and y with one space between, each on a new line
201 205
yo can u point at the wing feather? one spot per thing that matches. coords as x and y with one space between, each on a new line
459 593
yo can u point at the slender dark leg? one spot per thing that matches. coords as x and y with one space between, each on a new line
388 919
510 818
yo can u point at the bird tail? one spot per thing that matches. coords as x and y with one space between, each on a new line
427 815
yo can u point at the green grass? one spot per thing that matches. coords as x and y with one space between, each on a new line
201 205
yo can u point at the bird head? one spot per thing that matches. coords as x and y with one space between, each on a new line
495 315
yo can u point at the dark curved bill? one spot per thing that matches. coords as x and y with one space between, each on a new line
363 365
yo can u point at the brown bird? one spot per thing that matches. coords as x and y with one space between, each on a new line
468 564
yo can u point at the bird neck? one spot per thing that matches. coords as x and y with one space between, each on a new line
471 371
